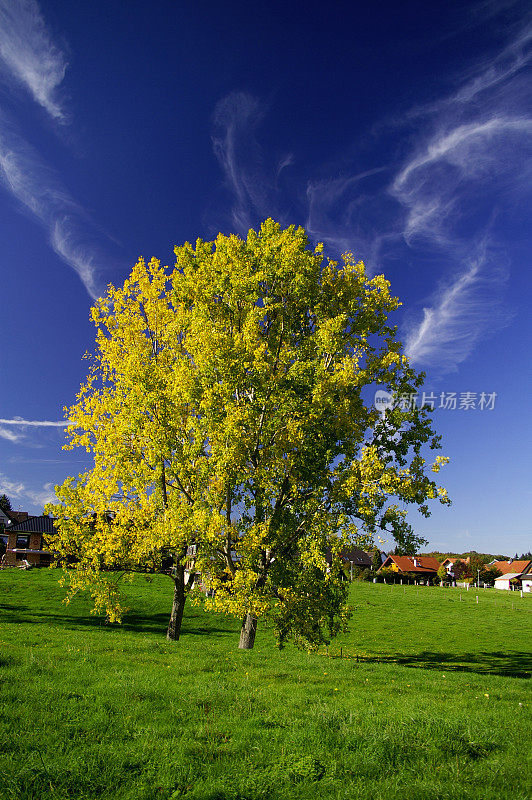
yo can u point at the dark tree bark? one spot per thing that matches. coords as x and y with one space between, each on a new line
181 589
247 632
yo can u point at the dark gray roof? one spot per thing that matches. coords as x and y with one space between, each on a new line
357 556
41 524
354 554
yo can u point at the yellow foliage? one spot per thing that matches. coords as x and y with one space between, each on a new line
225 407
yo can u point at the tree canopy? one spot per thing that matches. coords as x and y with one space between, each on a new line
5 503
228 410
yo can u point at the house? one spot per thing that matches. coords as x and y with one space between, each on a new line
25 541
512 566
449 563
515 575
5 522
421 567
9 518
351 557
5 519
509 581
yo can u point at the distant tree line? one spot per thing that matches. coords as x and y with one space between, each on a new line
472 554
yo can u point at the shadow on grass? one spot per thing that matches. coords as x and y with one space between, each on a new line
511 663
139 623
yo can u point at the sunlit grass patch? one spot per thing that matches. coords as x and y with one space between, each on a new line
425 696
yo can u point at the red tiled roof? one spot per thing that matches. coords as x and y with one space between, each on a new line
406 563
456 559
511 566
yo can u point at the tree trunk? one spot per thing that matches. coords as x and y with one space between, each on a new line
178 605
247 632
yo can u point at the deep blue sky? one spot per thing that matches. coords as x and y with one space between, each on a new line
398 131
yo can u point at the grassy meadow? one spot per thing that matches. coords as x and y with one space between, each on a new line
427 696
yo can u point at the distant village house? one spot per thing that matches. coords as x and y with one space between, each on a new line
353 558
23 540
449 563
515 575
423 568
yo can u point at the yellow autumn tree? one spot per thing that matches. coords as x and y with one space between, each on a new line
144 500
229 414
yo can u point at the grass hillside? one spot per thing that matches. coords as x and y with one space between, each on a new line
431 699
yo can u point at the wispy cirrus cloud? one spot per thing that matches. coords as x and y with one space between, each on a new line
34 423
75 238
462 311
496 70
471 164
438 181
8 435
81 244
236 118
73 235
17 490
467 164
9 487
349 215
31 58
252 177
30 54
15 429
249 175
41 496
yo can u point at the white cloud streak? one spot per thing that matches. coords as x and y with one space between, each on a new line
31 58
475 161
19 491
41 496
457 147
35 423
344 213
463 310
9 436
469 164
252 181
28 52
72 234
509 63
443 324
72 242
449 169
9 487
15 430
235 119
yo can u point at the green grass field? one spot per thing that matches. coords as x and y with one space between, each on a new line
430 699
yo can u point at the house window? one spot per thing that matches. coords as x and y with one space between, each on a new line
23 541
